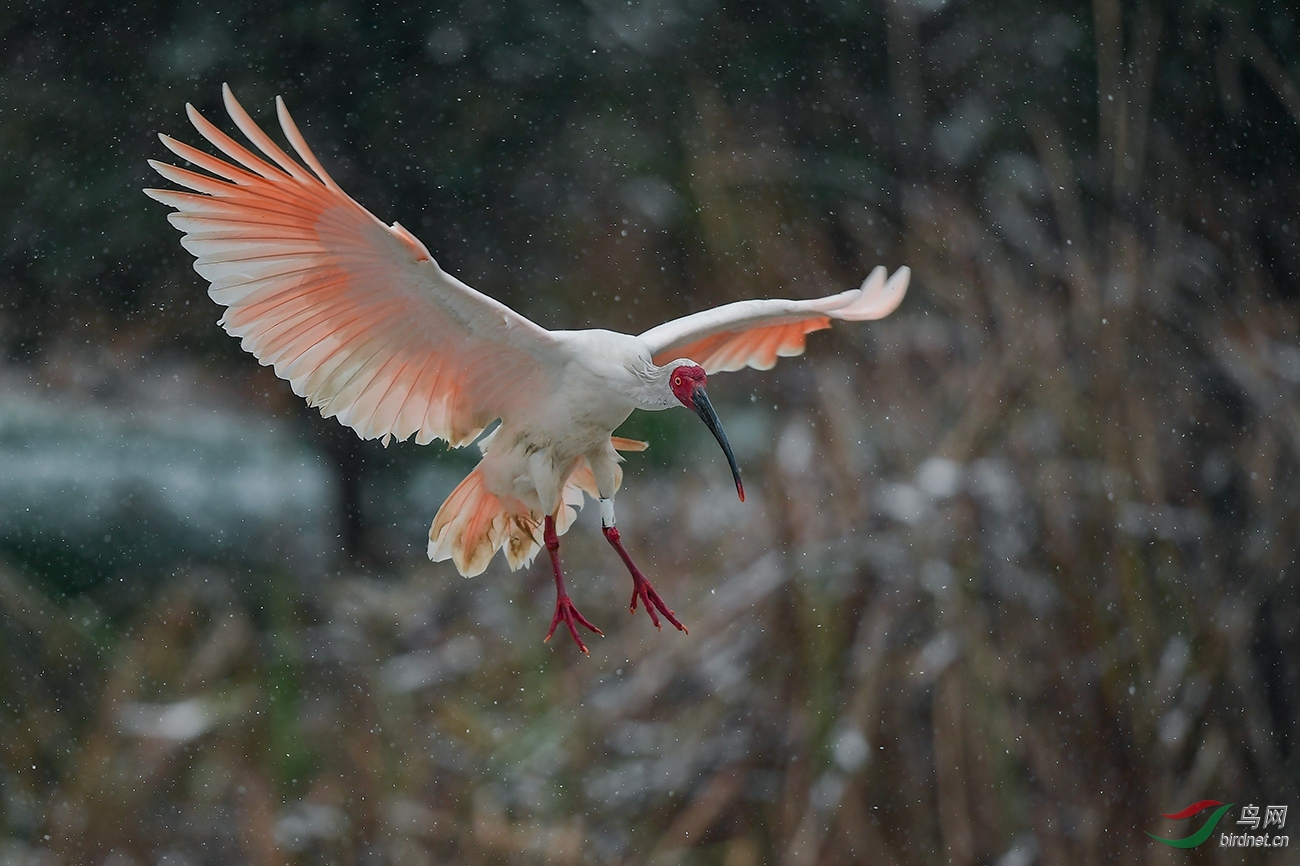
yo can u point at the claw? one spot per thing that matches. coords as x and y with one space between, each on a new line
645 592
565 612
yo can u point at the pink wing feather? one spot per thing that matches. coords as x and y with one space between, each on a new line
356 315
756 333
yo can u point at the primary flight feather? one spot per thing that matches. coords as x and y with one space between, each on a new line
365 325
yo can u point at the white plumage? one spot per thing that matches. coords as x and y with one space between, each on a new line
365 325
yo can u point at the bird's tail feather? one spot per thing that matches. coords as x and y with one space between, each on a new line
474 523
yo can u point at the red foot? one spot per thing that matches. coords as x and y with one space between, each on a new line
564 609
566 612
641 588
646 593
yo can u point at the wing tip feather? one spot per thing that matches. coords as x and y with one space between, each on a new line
877 297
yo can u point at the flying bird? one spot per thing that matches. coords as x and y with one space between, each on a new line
364 324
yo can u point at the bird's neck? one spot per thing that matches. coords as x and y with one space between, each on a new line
651 390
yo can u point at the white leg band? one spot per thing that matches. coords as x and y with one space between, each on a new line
607 512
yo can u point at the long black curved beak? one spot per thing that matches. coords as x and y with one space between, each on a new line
704 409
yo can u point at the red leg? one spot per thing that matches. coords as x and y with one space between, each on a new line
564 609
641 588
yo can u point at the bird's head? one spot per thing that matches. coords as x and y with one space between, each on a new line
687 383
684 382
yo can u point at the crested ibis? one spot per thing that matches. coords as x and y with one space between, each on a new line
365 325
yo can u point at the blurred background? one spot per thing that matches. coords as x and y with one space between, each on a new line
1017 573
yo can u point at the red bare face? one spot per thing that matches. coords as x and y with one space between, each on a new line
684 382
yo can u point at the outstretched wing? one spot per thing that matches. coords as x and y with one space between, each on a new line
755 333
356 315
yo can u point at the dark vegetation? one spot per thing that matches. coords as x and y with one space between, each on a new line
1018 572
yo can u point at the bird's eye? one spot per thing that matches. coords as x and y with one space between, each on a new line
677 380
